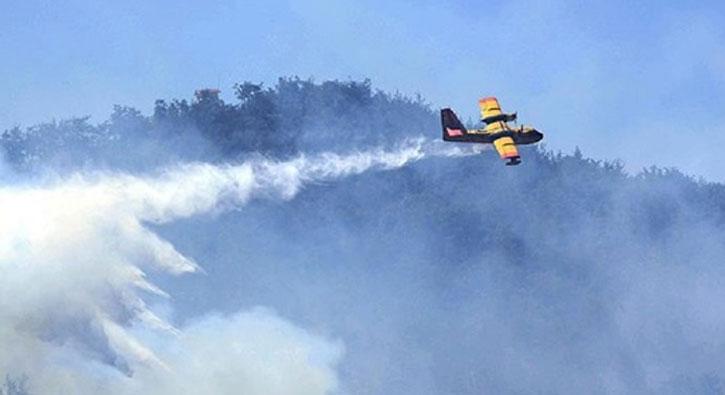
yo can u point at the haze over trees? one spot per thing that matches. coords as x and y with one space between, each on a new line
293 116
453 275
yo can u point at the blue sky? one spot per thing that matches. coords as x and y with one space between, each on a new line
640 81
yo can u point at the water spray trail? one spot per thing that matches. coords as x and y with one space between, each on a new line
73 254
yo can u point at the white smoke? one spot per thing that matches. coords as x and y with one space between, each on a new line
73 286
252 353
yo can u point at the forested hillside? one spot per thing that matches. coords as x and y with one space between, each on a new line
449 276
291 117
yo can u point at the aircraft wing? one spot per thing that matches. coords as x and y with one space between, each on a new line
489 107
506 148
491 111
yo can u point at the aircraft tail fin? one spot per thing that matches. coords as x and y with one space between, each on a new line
453 129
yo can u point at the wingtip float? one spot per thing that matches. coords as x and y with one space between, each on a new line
496 130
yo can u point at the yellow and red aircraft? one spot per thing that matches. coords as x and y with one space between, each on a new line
496 130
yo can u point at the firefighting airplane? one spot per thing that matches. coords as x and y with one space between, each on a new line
496 130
